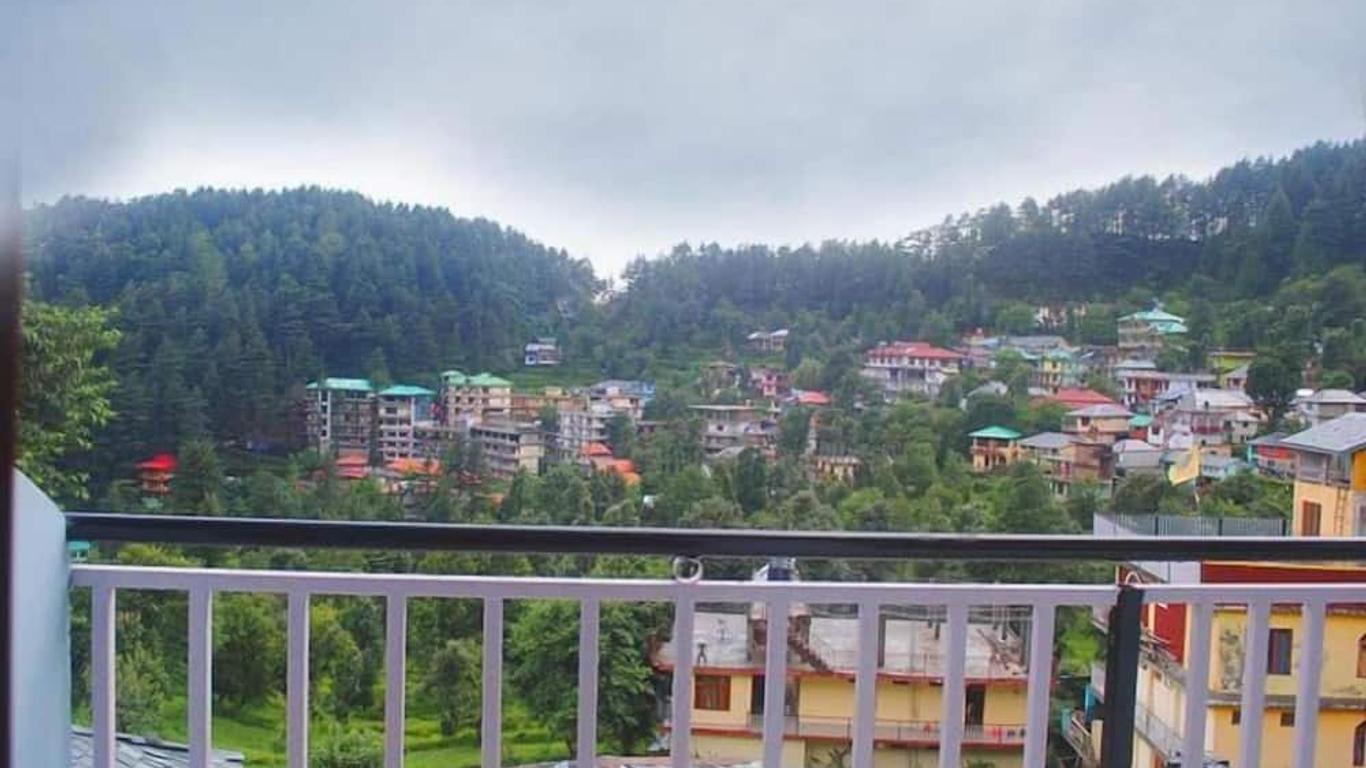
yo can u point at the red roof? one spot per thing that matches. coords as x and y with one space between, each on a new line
1080 398
920 349
162 462
813 397
596 449
352 460
416 466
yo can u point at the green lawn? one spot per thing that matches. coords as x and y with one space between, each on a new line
259 733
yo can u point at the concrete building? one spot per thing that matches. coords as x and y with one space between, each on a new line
1168 643
1050 452
1330 477
508 447
340 415
475 398
1143 334
1328 404
728 650
1098 423
579 427
728 429
768 342
544 351
1139 386
910 367
994 447
405 420
622 396
1205 418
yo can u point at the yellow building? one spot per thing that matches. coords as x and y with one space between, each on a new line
994 447
728 691
1330 477
1164 670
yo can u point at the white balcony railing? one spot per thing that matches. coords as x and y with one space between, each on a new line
949 732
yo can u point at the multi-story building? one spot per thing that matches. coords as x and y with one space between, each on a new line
528 406
475 398
768 341
156 473
728 649
910 367
1205 418
1050 452
729 429
1057 369
1168 644
507 447
1144 333
1330 477
1098 423
541 352
994 447
833 468
402 412
1140 386
580 426
627 397
341 415
1270 457
769 382
1328 404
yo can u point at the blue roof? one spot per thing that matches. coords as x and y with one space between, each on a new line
406 390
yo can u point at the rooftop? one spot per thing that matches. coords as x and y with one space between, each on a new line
1101 410
1345 433
995 433
1047 440
406 390
1335 396
922 349
139 752
347 385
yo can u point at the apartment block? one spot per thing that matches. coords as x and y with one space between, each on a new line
910 368
340 415
475 398
405 423
507 447
1330 477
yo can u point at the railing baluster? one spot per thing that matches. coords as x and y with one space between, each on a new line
1197 685
951 719
775 681
588 683
865 684
1310 672
103 666
680 749
395 653
1040 685
200 692
491 736
1254 683
296 680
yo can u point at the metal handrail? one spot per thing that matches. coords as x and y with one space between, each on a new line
550 539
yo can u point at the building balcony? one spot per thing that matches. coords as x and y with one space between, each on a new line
38 677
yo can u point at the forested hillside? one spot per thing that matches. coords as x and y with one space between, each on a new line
230 301
1233 240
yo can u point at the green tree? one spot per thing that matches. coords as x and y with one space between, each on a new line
198 484
1272 379
64 392
452 682
248 654
143 690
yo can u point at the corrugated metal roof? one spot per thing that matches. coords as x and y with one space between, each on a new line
995 433
1051 440
406 390
139 752
1344 433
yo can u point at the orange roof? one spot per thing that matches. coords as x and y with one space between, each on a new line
416 466
1079 398
596 449
352 460
813 397
920 349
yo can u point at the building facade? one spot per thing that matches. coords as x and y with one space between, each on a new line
507 447
910 368
1330 477
405 423
475 398
340 415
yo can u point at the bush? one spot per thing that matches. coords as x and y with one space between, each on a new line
353 749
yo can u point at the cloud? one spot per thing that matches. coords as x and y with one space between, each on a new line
617 128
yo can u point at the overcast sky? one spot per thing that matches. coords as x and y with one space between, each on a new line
618 128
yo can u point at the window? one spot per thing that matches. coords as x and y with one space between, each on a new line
1288 719
1310 513
1361 656
1278 652
711 692
1359 745
1236 717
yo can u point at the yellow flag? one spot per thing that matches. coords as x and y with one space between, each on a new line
1187 470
